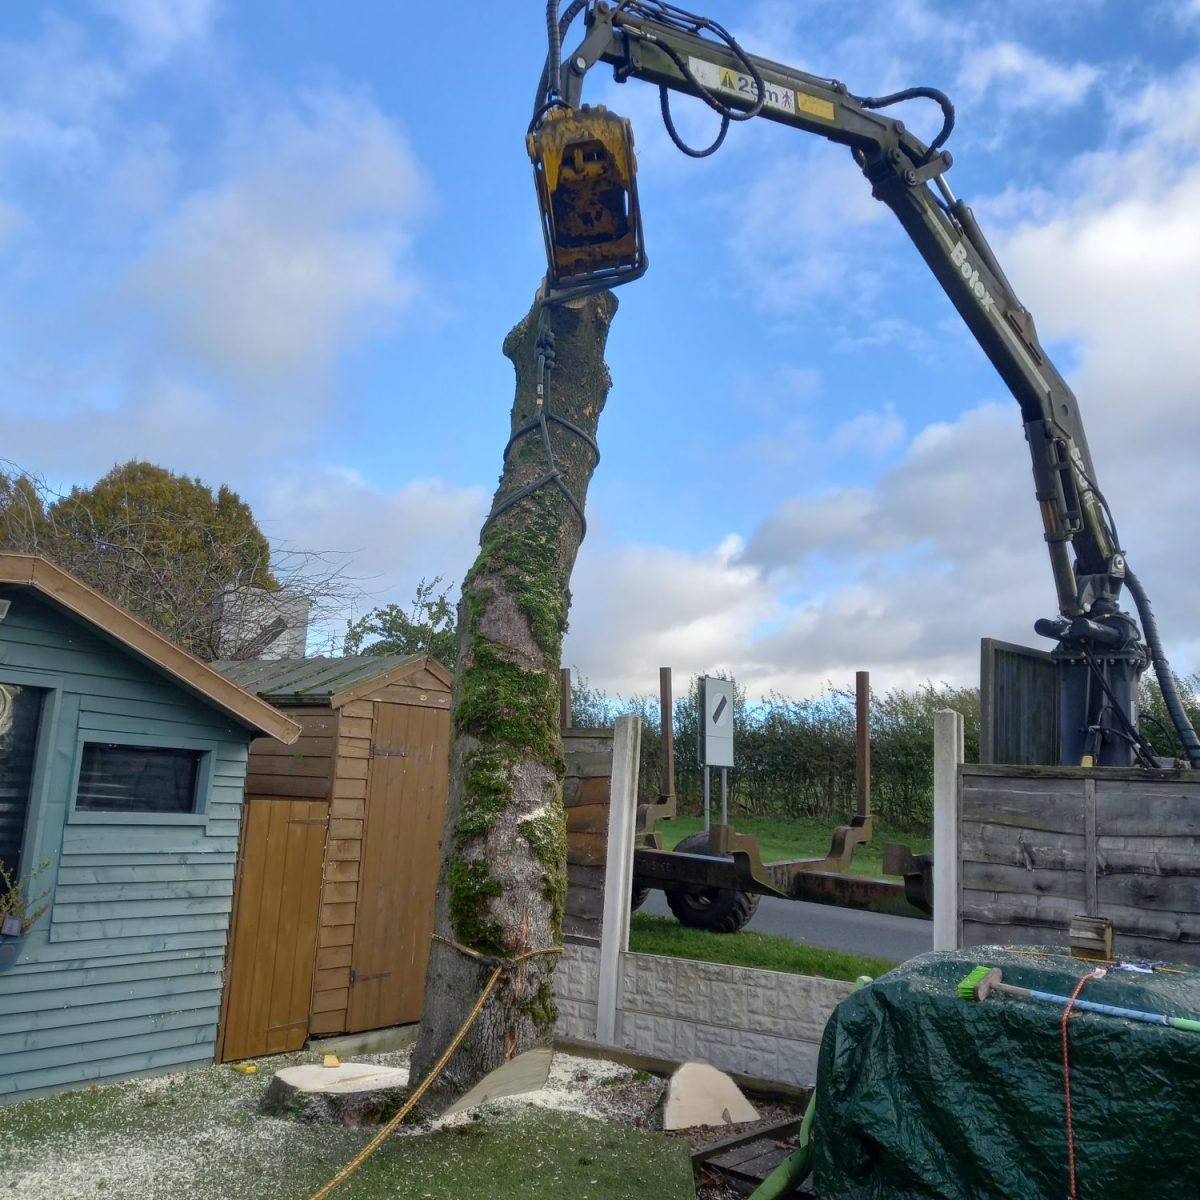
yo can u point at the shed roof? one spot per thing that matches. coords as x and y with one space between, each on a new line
66 592
332 681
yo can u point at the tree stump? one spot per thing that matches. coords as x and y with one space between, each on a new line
351 1094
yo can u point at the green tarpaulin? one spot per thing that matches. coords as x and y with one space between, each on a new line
922 1094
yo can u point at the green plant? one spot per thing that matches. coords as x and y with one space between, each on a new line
428 626
17 900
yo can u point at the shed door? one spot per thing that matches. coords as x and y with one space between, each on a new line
406 805
274 927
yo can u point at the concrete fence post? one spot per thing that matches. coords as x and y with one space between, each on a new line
948 738
618 873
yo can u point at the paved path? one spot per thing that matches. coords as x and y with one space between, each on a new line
856 932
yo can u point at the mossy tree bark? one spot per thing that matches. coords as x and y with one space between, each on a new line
503 877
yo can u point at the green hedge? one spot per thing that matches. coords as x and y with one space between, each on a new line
796 757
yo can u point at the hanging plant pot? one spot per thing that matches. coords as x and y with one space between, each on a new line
10 951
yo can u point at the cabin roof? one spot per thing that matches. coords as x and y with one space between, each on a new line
63 591
332 681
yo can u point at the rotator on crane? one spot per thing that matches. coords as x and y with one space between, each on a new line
586 176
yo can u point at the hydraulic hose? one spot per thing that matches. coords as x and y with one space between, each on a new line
564 23
554 56
1162 670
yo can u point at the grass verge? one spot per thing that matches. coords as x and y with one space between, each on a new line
664 935
197 1136
804 837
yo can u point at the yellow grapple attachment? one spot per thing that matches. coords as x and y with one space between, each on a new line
586 176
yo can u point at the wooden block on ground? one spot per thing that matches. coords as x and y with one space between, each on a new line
527 1072
699 1094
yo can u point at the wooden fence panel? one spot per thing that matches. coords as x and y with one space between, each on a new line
1018 696
586 797
1039 846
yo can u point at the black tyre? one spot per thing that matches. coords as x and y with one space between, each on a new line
638 897
719 910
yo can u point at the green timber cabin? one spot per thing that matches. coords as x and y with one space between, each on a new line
122 769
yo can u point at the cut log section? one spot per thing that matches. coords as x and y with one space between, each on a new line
349 1094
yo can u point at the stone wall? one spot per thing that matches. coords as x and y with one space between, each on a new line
762 1023
576 983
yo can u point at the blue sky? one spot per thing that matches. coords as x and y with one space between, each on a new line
279 245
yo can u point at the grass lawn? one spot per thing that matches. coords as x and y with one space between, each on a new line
664 935
802 838
197 1136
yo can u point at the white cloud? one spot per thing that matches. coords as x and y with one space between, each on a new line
639 607
266 276
801 232
59 74
387 539
1024 78
869 434
232 310
142 175
157 28
1186 12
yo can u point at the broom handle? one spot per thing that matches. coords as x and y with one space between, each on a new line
1108 1010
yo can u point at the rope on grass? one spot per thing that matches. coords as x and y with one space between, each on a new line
438 1067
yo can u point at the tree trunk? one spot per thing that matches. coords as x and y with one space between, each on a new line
503 877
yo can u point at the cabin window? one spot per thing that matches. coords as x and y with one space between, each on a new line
137 779
20 716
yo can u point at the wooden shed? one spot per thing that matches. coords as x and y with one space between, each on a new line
334 904
122 762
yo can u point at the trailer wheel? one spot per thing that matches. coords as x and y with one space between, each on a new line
719 910
638 896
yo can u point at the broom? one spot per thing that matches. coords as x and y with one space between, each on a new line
982 981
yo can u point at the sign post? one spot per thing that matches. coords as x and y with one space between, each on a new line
716 739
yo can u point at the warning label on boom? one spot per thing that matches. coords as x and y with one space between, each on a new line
781 99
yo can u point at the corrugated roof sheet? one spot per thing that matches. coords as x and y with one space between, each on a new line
309 679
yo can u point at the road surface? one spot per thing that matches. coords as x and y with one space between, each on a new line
856 932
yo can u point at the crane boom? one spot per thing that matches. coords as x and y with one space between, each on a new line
1100 648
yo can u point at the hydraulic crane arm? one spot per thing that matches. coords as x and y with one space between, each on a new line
908 178
593 232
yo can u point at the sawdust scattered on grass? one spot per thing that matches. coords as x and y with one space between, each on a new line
198 1136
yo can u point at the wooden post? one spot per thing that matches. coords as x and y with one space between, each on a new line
987 700
948 735
1090 844
667 719
862 740
618 873
564 697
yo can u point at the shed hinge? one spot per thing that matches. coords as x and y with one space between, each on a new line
376 752
358 977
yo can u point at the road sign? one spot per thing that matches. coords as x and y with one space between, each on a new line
716 702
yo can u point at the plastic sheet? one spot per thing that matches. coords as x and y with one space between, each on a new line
923 1094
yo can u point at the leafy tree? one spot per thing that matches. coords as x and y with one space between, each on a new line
162 518
24 522
1156 723
427 626
165 547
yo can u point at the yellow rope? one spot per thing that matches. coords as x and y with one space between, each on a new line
429 1079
